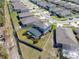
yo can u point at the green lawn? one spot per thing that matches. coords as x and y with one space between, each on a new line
1 12
30 53
15 20
3 52
1 19
54 26
40 43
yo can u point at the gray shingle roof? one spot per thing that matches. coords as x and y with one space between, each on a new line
25 14
42 25
18 5
44 4
61 11
35 32
29 20
68 4
65 36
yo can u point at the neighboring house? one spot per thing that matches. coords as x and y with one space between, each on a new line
76 31
68 42
29 20
42 4
34 33
73 1
19 7
39 29
65 36
50 5
23 10
24 15
44 27
60 11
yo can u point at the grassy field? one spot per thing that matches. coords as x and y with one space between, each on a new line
1 12
30 53
1 19
15 20
54 26
3 52
40 43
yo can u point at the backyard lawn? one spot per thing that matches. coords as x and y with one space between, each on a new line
30 53
41 42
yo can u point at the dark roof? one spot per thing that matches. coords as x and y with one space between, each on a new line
24 9
35 32
42 25
65 36
61 11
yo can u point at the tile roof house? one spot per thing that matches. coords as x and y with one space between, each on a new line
19 7
67 5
